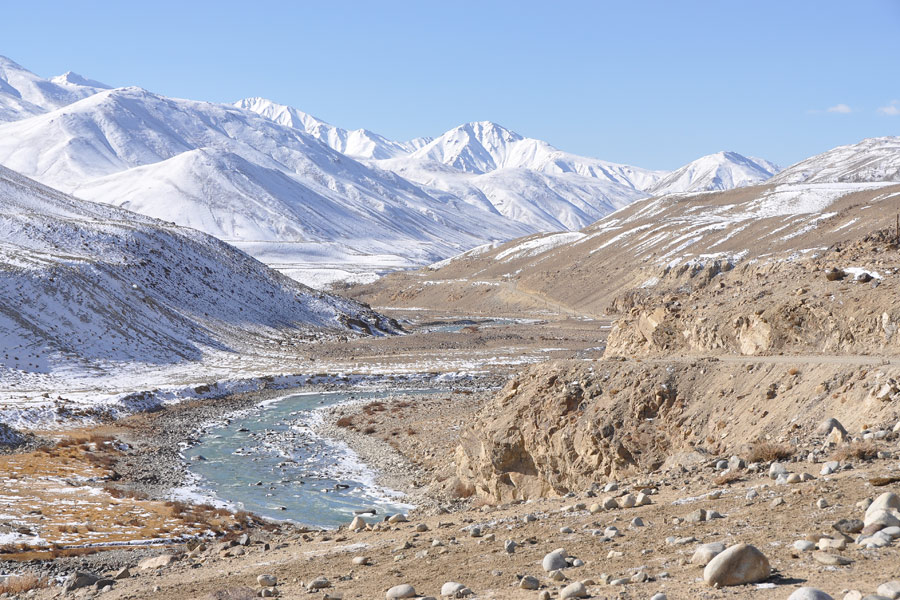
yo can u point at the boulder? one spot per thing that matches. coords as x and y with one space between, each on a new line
886 501
453 589
891 589
737 565
705 553
553 561
573 590
404 590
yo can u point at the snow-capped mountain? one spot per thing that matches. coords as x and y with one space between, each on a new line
358 143
24 94
484 146
872 159
239 176
715 172
85 285
542 201
293 190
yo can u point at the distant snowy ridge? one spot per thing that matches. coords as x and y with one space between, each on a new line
870 160
24 94
715 172
359 143
88 286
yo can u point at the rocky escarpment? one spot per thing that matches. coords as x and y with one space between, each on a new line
841 301
562 426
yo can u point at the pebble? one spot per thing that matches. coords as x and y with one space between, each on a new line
659 596
509 546
821 503
809 593
737 565
803 546
267 580
776 469
752 495
627 501
475 532
557 575
403 590
566 530
362 560
637 522
831 544
544 595
825 558
529 583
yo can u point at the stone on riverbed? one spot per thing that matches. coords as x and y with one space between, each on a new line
737 565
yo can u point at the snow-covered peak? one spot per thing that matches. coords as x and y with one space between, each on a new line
358 143
24 94
484 146
871 160
713 172
71 79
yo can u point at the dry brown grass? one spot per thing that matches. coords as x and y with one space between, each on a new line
369 430
19 584
865 450
727 478
345 422
765 451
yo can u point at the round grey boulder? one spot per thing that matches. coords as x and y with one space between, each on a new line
453 589
404 590
555 560
737 565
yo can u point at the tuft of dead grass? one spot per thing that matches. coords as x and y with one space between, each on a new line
727 478
864 450
765 451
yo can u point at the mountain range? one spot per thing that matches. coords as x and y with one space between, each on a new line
673 242
319 202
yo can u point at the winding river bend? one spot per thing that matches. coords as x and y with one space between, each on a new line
271 462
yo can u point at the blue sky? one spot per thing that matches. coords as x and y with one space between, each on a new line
654 84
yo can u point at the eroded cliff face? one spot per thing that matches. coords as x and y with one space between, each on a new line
844 301
561 426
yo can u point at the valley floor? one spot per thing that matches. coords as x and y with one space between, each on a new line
451 537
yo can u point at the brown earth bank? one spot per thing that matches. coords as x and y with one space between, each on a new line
559 426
